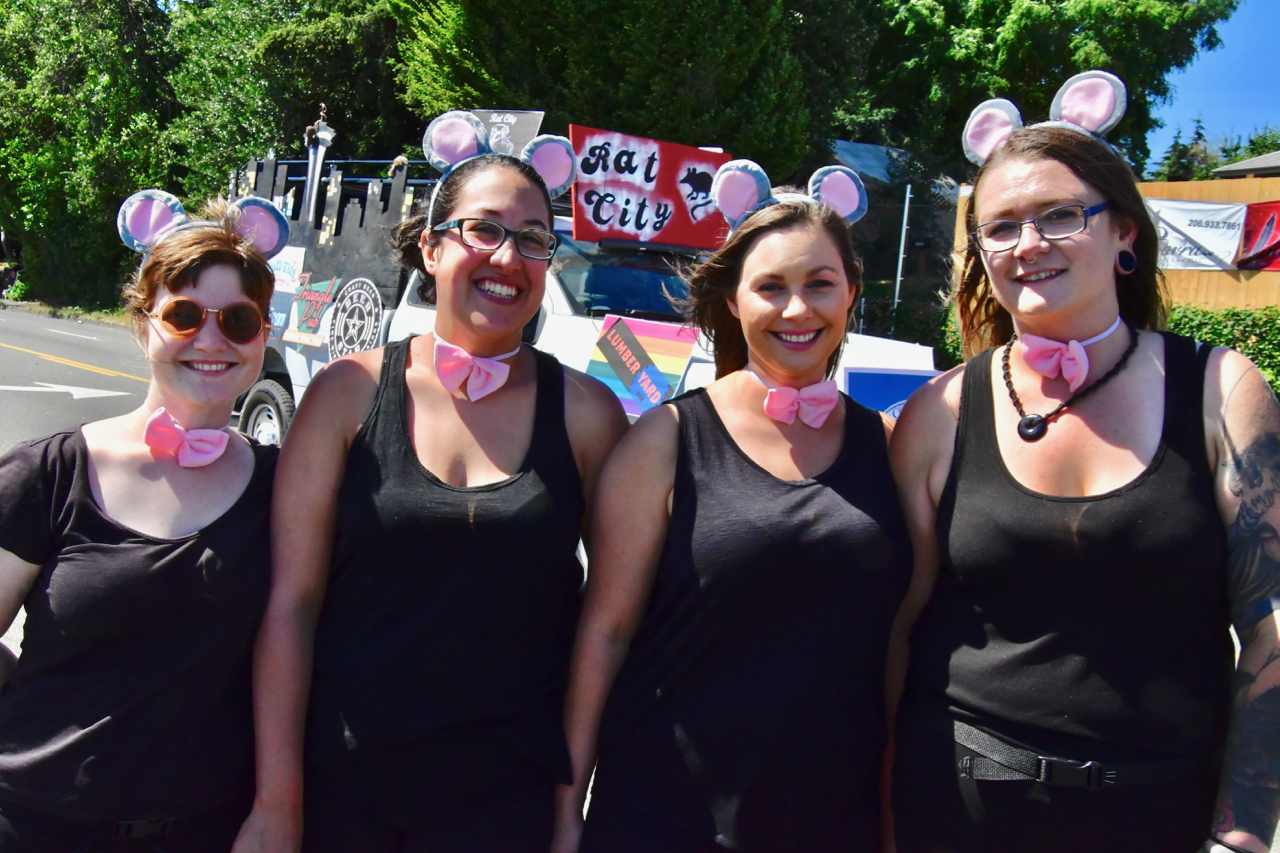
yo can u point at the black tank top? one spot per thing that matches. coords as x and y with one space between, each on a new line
1086 627
449 609
750 704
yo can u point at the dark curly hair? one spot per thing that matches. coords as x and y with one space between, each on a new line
406 237
1142 295
713 282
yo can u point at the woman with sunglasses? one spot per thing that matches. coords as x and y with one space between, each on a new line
1092 509
426 584
138 545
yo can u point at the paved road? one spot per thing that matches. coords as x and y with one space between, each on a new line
101 364
95 372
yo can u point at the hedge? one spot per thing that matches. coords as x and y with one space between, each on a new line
1255 332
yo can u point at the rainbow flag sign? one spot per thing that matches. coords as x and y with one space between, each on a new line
641 360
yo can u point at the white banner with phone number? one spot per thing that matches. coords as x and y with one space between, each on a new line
1197 235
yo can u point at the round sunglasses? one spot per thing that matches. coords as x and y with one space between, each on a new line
240 322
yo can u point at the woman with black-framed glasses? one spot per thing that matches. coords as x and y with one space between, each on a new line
1093 508
426 583
139 546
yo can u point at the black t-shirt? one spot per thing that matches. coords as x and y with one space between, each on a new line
132 696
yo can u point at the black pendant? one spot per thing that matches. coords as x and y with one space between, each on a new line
1032 428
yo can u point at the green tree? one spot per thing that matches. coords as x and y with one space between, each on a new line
1188 161
1263 140
933 61
345 54
229 108
86 98
760 78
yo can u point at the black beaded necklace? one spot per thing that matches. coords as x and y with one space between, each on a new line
1033 427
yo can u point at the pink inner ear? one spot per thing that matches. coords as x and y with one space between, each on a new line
148 219
259 227
736 192
1089 103
454 140
840 193
988 131
554 163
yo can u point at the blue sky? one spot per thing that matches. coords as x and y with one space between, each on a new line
1232 88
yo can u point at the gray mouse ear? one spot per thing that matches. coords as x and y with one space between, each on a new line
454 137
840 188
261 223
146 217
553 158
1093 100
989 126
739 189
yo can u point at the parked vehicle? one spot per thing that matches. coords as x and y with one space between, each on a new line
339 290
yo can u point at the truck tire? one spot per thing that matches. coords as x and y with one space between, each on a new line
267 412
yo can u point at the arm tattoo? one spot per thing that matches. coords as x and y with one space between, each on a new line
1250 798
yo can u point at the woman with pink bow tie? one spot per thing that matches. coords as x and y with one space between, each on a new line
1091 503
138 545
426 583
749 556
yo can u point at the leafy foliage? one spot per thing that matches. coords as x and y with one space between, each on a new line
927 324
84 88
1196 160
761 78
1188 161
1254 332
347 55
933 61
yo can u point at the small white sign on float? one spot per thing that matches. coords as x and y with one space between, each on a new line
1197 235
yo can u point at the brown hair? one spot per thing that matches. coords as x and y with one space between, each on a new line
1142 296
179 259
406 237
715 281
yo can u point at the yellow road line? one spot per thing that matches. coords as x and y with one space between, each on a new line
78 364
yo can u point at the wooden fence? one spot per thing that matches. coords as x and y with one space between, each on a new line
1215 288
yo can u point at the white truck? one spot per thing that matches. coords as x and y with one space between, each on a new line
339 291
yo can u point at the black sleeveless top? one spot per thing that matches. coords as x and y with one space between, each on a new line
450 610
750 704
1085 627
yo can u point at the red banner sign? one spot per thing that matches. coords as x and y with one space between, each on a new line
633 188
1260 245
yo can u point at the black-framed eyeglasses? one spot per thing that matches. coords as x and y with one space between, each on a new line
1001 235
533 243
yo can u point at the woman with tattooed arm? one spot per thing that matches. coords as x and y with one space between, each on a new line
1093 506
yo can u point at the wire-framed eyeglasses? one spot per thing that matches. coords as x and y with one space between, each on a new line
1001 235
240 322
533 243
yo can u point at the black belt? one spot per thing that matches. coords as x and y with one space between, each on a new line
999 761
145 828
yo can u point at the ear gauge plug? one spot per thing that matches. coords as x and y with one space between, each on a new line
1126 262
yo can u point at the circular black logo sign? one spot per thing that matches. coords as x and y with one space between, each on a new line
357 317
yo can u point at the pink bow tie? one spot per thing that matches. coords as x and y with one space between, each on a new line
1050 358
483 376
813 402
194 448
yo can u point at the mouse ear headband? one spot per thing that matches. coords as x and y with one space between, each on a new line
458 136
741 188
1091 104
148 217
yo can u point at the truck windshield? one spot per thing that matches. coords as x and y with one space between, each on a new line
619 281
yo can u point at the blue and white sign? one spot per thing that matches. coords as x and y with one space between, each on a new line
884 389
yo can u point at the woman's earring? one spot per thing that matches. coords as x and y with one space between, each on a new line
1126 262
